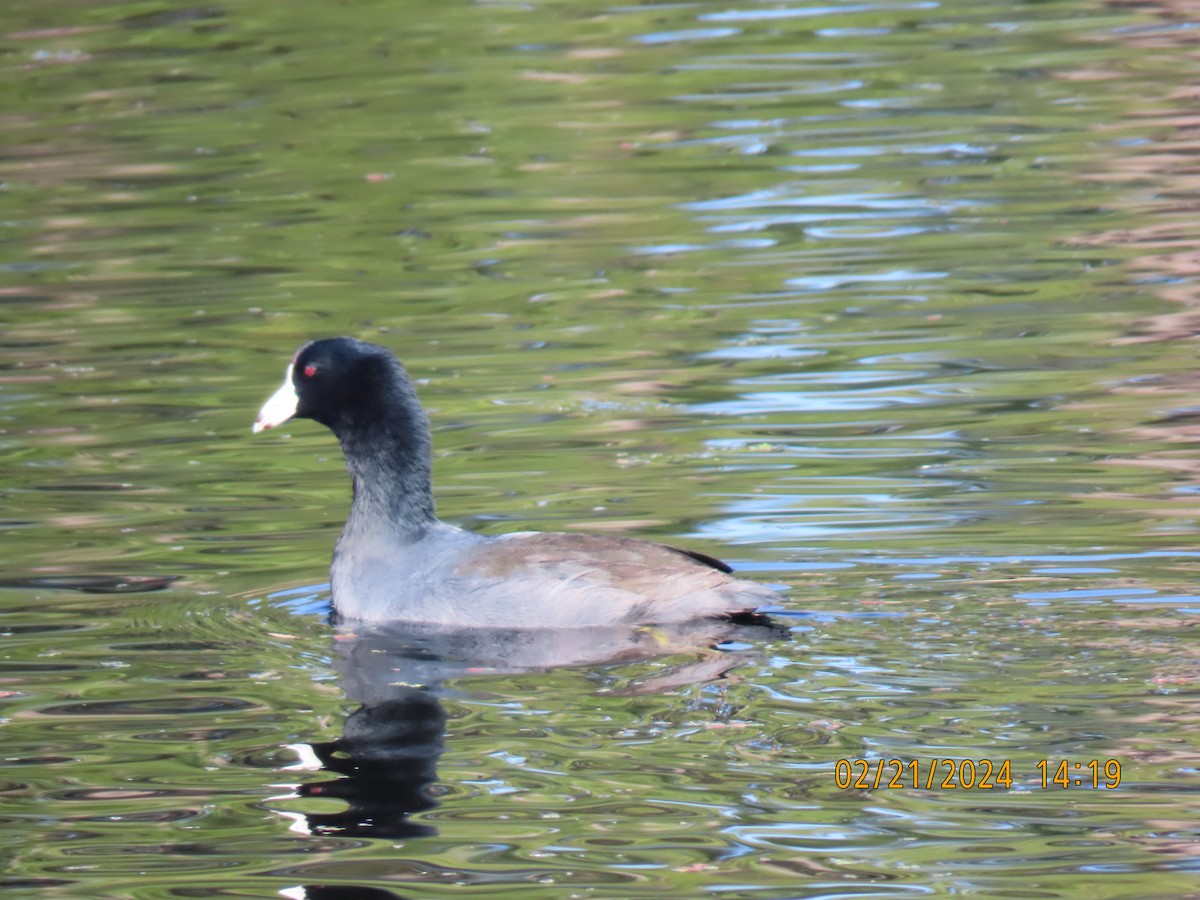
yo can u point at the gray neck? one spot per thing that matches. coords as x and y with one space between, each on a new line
390 466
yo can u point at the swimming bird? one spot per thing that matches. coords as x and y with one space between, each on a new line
397 562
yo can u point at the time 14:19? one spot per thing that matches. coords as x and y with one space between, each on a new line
1092 773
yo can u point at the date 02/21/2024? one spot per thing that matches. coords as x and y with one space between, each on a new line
967 774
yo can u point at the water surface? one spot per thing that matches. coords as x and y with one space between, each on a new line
888 304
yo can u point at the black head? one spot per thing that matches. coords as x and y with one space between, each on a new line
346 385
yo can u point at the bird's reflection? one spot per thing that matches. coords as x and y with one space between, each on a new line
387 755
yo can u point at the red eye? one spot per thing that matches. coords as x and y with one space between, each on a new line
310 370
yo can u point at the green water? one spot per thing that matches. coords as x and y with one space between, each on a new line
888 304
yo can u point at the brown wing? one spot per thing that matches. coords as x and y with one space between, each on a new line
640 580
502 557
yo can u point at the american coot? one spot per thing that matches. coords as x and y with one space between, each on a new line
395 562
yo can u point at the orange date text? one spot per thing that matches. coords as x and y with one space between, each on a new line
930 774
972 774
